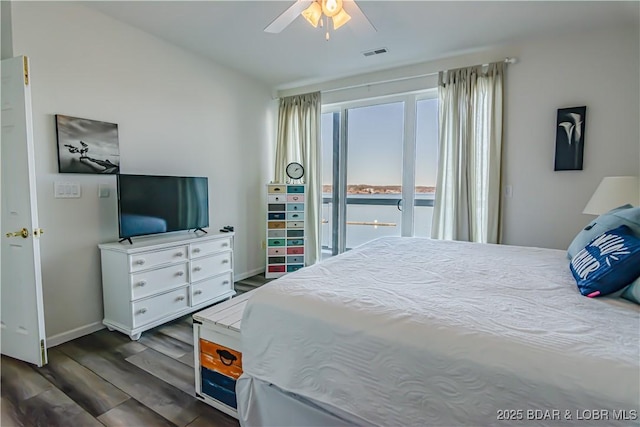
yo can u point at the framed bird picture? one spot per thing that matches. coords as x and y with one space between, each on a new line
87 146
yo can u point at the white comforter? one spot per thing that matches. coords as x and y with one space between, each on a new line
410 331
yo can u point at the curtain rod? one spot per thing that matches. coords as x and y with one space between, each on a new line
507 60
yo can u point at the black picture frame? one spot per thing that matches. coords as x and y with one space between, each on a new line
570 130
87 146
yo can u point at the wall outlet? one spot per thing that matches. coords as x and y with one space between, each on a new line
103 191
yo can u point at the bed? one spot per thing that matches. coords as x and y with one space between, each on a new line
412 331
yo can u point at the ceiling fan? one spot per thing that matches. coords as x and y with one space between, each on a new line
340 12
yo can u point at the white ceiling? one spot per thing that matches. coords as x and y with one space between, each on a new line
231 32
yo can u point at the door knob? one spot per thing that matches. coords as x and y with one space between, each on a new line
24 233
38 232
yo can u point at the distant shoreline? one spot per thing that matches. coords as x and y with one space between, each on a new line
379 189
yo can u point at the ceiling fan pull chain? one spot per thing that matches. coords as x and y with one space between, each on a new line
327 25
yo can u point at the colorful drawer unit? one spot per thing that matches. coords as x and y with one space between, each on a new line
286 210
218 353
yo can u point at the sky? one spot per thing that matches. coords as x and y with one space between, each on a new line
375 136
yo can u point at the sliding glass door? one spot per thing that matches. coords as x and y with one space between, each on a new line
378 158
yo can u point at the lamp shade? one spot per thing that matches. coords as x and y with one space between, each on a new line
613 191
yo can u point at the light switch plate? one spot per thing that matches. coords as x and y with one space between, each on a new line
67 190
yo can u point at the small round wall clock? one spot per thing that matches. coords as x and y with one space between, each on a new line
295 170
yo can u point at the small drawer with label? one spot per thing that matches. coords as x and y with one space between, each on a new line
276 198
295 259
276 251
295 224
295 242
277 215
295 233
276 268
294 267
275 224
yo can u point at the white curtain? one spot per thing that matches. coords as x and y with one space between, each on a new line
299 141
467 205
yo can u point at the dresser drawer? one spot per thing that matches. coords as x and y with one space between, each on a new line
276 216
159 307
295 216
208 248
295 207
148 260
275 242
295 224
295 259
149 282
295 233
295 189
213 265
210 288
276 207
276 251
277 189
295 242
298 198
275 260
275 233
296 250
276 268
275 224
294 267
276 198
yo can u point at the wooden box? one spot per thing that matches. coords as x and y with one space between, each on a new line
218 353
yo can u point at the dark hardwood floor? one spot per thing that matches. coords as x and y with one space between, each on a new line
106 379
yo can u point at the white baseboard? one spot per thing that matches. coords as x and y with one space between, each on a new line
73 334
93 327
250 273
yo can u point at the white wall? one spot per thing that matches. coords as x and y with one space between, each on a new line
599 69
177 113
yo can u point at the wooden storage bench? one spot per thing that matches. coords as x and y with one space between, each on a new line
218 353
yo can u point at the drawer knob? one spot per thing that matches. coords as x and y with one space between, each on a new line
142 283
180 273
196 250
226 282
295 197
225 261
142 311
179 254
197 268
140 262
198 292
180 298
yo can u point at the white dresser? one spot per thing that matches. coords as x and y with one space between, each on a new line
157 279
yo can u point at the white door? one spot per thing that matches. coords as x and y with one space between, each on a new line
22 315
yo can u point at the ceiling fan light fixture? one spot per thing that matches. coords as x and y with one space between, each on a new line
331 7
313 14
340 19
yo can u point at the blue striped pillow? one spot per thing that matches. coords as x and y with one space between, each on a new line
608 263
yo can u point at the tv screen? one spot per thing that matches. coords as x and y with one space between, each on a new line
150 204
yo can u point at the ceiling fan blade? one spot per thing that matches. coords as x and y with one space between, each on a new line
360 22
287 17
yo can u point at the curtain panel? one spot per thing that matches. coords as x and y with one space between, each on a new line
299 141
467 205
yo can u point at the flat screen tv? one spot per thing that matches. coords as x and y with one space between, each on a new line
151 204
